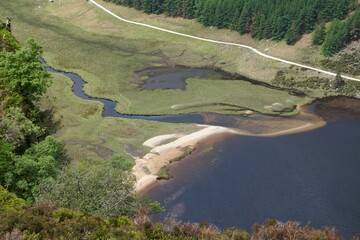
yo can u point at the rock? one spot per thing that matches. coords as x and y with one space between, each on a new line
8 24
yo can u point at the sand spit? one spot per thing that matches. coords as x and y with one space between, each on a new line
303 128
155 141
147 167
160 155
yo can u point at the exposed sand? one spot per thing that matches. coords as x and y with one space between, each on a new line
155 141
160 155
147 167
303 128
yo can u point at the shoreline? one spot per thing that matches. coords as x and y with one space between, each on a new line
161 154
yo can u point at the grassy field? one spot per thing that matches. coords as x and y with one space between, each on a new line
89 135
80 38
202 93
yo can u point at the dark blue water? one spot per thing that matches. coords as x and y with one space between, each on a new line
309 177
176 79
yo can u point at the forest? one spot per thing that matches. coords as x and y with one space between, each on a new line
267 19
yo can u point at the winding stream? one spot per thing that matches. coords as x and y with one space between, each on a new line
109 105
156 82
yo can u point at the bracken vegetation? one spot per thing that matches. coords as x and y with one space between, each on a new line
348 63
44 221
333 86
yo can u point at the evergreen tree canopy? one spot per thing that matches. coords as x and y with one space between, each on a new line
263 19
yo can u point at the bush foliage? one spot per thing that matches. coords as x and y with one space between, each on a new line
44 221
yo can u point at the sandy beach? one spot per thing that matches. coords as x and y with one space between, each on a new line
160 155
165 148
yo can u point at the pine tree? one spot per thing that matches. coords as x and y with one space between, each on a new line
208 13
219 15
147 6
354 26
292 34
260 26
199 8
319 34
189 9
336 37
339 81
242 25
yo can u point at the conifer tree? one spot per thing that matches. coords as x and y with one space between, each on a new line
319 34
243 25
339 81
336 37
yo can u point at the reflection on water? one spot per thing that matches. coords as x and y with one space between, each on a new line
174 78
308 177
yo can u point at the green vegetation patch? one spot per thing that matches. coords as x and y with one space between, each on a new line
44 221
9 201
98 187
186 151
224 96
315 85
88 135
163 174
349 63
7 40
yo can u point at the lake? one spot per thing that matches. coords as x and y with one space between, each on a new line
311 177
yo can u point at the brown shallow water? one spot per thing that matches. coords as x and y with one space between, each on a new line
336 108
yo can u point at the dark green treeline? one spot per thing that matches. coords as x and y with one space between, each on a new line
263 19
338 34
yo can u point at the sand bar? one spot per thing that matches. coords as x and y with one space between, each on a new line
160 155
147 167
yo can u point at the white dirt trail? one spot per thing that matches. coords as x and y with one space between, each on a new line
221 42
